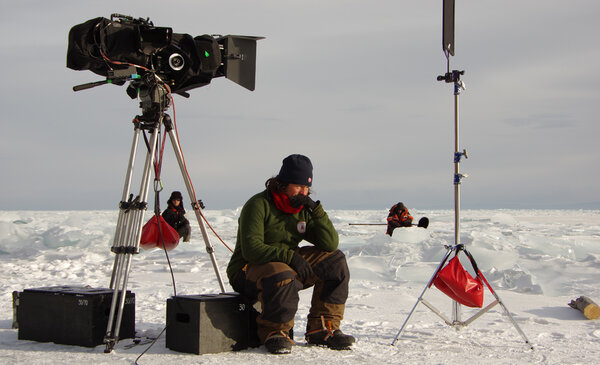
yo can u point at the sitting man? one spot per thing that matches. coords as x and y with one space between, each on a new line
175 216
268 266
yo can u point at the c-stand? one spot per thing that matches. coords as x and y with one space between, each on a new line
155 100
453 77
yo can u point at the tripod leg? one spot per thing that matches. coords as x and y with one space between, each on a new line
188 185
491 305
129 234
121 237
121 221
450 249
514 322
510 317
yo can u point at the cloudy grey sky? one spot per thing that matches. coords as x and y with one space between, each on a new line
351 84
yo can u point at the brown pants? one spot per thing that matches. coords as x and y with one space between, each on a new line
275 285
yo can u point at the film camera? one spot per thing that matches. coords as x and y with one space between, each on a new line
158 62
113 47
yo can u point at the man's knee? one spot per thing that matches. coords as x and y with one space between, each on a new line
334 272
277 290
280 296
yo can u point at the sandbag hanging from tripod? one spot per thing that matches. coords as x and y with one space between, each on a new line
151 235
454 281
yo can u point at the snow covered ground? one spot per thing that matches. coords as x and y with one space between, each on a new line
537 260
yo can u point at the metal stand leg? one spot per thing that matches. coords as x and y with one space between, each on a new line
127 236
506 311
196 205
122 211
420 299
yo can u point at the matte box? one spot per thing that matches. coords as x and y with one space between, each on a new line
207 323
70 315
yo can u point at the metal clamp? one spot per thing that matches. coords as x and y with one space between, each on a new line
458 178
458 156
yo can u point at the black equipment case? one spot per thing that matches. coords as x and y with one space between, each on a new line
208 323
70 315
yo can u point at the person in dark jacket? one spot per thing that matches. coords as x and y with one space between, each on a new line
268 265
398 217
175 216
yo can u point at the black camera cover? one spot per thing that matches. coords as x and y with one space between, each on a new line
100 45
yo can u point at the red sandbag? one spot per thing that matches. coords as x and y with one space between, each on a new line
454 281
151 235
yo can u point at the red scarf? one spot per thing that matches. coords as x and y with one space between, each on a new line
282 202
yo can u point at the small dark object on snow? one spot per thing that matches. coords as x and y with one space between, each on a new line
423 222
586 306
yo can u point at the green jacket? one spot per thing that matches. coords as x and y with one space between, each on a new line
266 234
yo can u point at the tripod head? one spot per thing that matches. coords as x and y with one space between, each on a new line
153 93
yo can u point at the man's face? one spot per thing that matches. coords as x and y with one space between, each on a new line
295 189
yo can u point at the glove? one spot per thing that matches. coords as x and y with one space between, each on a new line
298 200
301 267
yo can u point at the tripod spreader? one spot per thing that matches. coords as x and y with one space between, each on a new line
200 205
133 204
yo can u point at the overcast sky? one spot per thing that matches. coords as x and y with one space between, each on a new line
351 84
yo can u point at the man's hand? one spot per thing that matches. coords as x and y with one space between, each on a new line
298 200
301 266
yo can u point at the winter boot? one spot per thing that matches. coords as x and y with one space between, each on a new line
326 335
278 342
335 340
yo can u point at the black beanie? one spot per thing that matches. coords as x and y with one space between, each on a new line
296 169
176 195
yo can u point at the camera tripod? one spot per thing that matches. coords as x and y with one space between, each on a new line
154 102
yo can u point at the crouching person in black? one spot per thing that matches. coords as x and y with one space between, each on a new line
268 266
398 217
175 216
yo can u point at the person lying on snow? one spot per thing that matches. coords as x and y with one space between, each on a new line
268 266
175 216
398 217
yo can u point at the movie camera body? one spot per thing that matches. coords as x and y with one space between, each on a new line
110 47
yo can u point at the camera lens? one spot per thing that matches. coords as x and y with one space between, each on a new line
176 61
